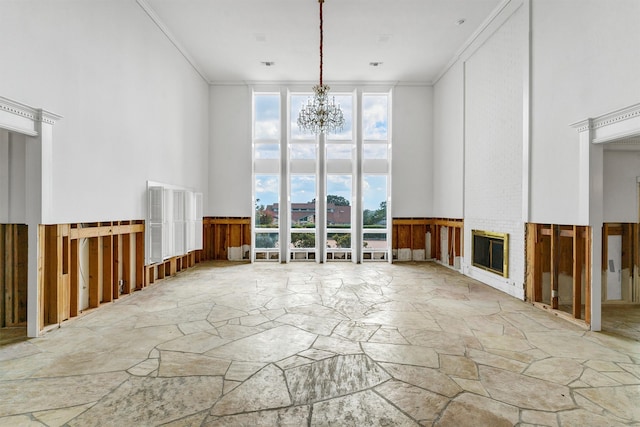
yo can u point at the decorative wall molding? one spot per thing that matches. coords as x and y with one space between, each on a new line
615 125
21 118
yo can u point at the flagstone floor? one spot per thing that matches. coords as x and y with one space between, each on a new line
227 344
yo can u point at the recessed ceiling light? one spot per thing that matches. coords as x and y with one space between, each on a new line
268 63
460 21
384 38
375 63
260 37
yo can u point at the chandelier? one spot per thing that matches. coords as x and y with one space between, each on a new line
321 115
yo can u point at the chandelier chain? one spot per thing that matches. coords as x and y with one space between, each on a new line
321 114
321 39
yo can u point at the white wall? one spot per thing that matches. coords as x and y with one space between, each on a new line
230 166
448 148
585 61
620 200
230 152
493 152
134 109
412 150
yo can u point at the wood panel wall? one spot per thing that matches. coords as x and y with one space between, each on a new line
113 269
556 249
410 233
13 274
223 233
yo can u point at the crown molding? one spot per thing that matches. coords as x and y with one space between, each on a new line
165 30
490 24
355 83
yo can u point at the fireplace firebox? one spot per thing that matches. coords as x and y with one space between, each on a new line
490 251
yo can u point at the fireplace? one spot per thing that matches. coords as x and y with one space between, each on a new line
490 251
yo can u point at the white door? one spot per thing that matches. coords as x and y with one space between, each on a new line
614 270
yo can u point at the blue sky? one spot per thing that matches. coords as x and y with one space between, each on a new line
303 187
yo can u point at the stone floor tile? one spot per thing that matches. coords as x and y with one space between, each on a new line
361 409
402 354
177 364
355 331
213 338
503 343
472 386
621 401
388 336
268 346
486 358
569 344
254 320
581 417
622 377
220 313
555 369
458 366
525 392
603 366
152 401
420 404
31 395
18 350
240 371
539 418
470 410
318 310
266 389
288 417
188 328
194 420
293 361
408 320
441 342
59 417
426 378
199 342
20 421
315 354
337 345
594 378
228 385
337 376
315 325
144 368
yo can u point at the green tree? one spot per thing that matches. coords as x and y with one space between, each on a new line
263 219
370 217
303 240
337 200
343 240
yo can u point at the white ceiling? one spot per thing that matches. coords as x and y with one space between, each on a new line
227 40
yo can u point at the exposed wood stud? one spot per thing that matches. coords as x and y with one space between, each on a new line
95 271
127 243
74 279
587 276
107 269
577 272
555 252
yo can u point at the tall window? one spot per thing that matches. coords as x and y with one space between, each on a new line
267 175
376 150
326 196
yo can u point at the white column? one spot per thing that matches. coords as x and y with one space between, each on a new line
321 200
